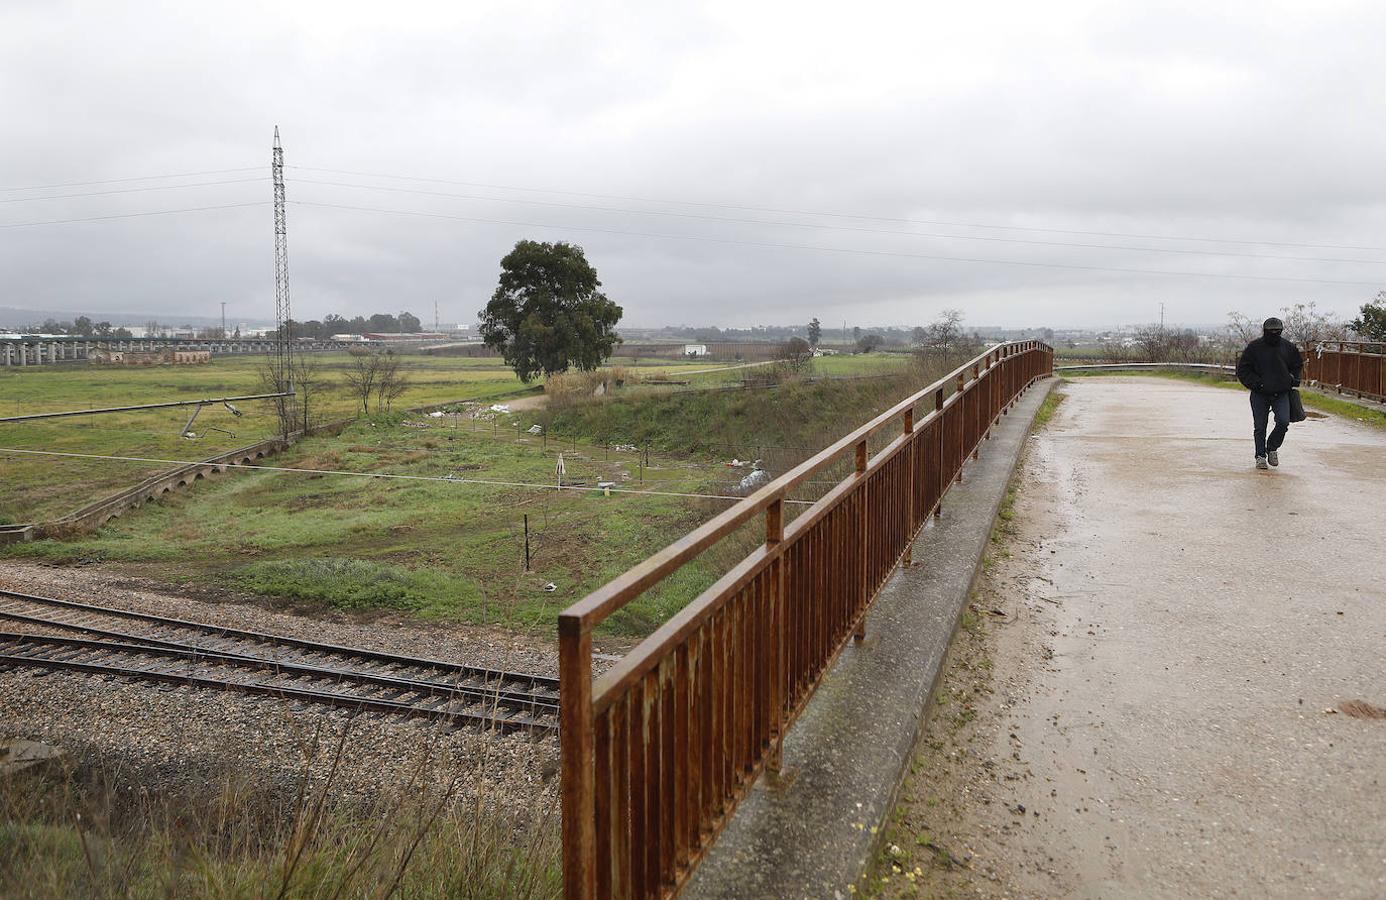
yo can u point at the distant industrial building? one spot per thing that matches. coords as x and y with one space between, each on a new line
408 337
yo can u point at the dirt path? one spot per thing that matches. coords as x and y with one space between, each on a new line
1167 682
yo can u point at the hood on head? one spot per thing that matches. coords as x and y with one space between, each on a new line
1271 330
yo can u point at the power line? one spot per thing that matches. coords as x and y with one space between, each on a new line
446 479
840 215
156 187
819 226
855 250
157 212
44 187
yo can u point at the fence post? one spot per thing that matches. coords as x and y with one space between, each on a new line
860 634
938 408
962 423
977 414
774 534
912 488
578 759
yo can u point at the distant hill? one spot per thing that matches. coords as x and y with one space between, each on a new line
13 317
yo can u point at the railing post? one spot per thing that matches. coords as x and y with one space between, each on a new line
1006 370
912 487
578 759
774 534
938 408
977 414
860 634
962 424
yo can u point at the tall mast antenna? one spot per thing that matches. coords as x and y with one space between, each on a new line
283 364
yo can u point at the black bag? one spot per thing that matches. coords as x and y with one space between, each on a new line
1297 413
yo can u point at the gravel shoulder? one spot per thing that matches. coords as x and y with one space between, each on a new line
172 736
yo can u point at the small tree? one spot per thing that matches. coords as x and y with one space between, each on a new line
390 382
1152 343
869 342
945 339
1241 329
815 332
1305 324
362 373
547 314
1371 324
309 381
306 381
796 355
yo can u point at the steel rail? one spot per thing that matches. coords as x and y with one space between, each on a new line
116 409
510 699
509 723
535 682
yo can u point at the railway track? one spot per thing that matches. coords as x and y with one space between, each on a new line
63 635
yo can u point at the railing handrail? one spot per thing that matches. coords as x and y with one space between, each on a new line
590 611
658 752
1348 346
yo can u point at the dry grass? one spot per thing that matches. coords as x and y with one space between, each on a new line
574 386
91 829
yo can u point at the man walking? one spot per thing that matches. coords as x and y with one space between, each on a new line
1269 368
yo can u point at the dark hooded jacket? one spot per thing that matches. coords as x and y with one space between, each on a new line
1270 367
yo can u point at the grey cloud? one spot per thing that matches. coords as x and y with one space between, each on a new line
1210 120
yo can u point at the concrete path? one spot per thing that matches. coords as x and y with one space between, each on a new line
1193 733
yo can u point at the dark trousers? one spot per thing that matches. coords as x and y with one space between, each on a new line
1261 407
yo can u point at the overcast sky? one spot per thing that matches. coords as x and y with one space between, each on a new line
664 137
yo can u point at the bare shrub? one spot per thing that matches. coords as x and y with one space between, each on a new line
570 387
378 374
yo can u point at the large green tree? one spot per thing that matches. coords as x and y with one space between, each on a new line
547 315
1371 324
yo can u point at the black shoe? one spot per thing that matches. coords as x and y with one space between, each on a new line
1273 457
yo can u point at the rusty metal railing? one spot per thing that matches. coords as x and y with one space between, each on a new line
657 754
1354 367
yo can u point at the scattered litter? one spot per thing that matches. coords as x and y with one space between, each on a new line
757 478
500 407
436 414
536 429
550 588
625 448
738 463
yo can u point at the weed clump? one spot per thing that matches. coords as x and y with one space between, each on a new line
355 584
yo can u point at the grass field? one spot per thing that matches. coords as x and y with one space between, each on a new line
438 538
40 488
